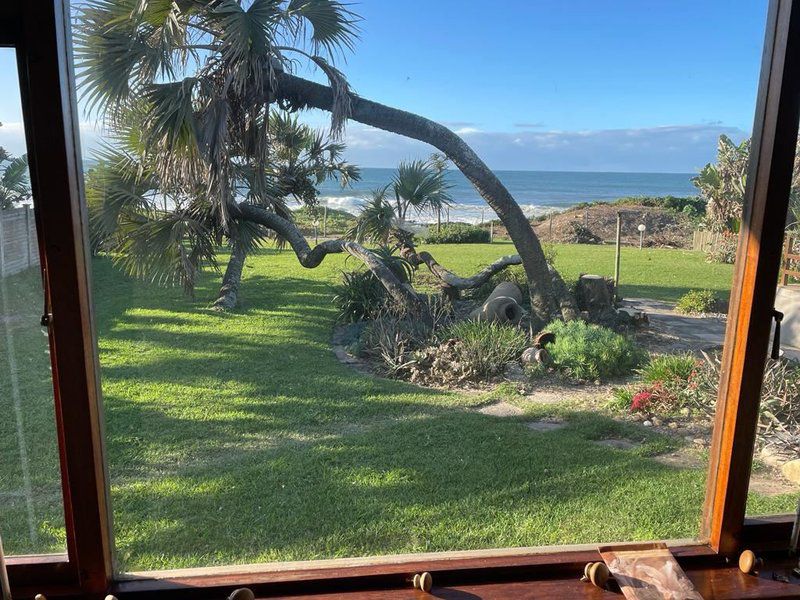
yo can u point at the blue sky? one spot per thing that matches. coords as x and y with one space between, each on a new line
615 85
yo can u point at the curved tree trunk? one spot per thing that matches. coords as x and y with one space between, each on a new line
312 257
229 292
301 93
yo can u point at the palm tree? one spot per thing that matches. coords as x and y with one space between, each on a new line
163 233
418 186
15 185
376 220
197 79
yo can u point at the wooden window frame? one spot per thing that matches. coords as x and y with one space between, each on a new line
40 32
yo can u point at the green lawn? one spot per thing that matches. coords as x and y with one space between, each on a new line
240 438
649 273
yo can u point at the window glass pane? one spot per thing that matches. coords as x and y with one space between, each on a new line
31 506
269 402
775 478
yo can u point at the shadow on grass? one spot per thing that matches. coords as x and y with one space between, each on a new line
449 480
239 437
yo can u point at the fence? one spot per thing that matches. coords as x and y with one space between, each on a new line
705 240
790 265
18 247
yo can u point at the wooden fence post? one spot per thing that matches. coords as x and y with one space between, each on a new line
787 250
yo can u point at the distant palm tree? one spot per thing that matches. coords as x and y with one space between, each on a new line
15 185
419 186
376 219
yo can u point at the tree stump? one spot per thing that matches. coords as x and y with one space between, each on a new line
594 294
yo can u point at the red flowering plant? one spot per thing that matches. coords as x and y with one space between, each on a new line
657 397
641 400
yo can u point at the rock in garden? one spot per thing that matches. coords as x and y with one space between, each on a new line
648 423
791 470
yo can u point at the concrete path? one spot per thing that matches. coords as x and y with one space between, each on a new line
689 332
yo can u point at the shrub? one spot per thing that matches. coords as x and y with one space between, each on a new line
697 302
663 381
390 337
724 249
780 395
361 295
482 348
659 397
337 222
581 234
668 367
587 351
621 399
457 233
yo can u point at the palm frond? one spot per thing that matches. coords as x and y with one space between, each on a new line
333 27
168 250
420 185
376 219
15 176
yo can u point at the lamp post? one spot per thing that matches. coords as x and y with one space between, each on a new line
316 231
642 228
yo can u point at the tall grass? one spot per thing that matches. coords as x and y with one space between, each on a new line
485 348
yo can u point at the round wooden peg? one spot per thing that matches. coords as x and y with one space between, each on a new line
422 581
40 597
749 562
111 597
242 594
597 573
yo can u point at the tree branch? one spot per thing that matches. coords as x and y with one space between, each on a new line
452 280
312 257
301 93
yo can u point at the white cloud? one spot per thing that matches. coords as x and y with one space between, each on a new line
12 137
467 130
676 148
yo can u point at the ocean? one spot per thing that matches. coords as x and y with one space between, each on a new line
537 192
